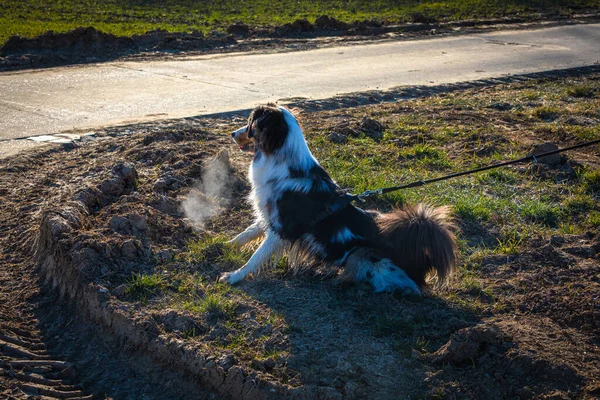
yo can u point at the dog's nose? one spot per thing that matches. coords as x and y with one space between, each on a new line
239 131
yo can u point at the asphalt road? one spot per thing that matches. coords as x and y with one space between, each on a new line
58 100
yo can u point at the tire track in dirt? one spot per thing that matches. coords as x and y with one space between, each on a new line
27 367
48 350
30 369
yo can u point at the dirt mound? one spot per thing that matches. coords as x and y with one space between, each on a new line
88 44
327 22
503 360
329 25
368 127
118 247
83 45
89 41
239 28
85 40
468 344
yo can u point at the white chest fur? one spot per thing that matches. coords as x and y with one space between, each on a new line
266 175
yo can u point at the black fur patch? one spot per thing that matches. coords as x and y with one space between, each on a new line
268 127
296 210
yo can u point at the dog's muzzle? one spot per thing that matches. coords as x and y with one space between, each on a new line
242 138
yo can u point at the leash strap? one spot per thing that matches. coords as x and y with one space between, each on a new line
347 198
534 157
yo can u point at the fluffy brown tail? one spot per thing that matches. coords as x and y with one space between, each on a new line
420 240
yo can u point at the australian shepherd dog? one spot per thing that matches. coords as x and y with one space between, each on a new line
397 251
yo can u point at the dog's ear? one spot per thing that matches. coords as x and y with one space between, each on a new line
255 120
269 129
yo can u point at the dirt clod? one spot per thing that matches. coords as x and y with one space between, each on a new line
130 250
302 25
326 22
227 362
421 18
337 138
120 290
467 344
372 128
239 29
553 159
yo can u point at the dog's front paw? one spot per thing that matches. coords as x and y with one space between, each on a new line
230 277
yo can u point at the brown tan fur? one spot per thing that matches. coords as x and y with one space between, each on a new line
420 240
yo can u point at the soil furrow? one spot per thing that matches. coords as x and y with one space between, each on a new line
47 349
23 343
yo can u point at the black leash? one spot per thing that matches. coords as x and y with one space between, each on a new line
343 201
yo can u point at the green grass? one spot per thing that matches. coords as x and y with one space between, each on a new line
425 154
434 137
509 245
473 207
581 91
542 212
215 249
591 181
216 305
140 287
580 203
505 176
126 17
594 219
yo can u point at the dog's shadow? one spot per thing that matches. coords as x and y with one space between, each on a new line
362 343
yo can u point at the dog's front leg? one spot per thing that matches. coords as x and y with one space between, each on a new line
270 246
252 232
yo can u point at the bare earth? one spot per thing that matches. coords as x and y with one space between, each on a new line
77 224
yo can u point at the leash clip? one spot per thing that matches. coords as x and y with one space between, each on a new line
368 193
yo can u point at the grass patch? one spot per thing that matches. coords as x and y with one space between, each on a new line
510 244
505 176
140 287
426 155
585 91
216 249
591 181
30 18
593 219
473 207
215 305
541 212
546 113
579 203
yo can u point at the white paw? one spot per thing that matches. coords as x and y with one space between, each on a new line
230 277
392 278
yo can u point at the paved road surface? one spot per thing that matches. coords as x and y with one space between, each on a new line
55 100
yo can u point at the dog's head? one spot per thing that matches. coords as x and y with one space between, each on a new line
267 129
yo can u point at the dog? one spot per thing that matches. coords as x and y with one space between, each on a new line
396 251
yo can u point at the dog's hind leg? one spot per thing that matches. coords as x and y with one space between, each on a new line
268 248
251 233
365 265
